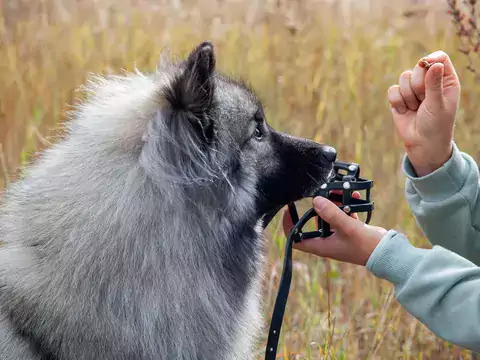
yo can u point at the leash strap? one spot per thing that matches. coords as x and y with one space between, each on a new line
280 303
348 183
285 281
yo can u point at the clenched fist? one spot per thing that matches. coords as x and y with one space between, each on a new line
424 104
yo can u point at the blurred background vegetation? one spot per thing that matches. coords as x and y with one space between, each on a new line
322 69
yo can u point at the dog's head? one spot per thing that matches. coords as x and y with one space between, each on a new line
222 135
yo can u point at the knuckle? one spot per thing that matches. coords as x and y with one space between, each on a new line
418 89
397 102
417 82
405 77
411 101
440 55
392 89
394 93
407 94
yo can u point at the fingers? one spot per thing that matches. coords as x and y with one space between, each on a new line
407 92
356 249
417 82
432 73
403 97
439 57
434 86
315 246
441 75
396 100
337 219
355 194
287 221
320 247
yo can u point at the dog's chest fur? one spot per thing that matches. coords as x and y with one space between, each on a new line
146 307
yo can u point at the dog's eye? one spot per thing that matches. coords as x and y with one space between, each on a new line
258 133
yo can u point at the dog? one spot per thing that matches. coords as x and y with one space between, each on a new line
138 235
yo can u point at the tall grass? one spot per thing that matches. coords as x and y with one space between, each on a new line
322 69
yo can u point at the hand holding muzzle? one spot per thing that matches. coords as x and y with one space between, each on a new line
346 178
348 183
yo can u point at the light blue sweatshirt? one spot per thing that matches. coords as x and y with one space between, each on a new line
439 286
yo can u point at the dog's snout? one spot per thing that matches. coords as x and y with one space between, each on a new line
330 153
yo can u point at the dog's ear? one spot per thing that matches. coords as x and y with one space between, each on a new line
199 71
191 93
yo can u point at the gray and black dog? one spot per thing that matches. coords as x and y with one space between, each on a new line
139 234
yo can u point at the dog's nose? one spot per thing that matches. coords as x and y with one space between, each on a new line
330 153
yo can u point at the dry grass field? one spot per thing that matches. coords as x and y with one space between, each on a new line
322 69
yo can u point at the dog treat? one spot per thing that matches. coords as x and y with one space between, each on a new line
426 64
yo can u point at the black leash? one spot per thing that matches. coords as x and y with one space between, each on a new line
346 178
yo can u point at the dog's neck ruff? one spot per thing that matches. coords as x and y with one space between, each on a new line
347 182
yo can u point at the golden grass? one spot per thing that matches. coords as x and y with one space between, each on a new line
322 69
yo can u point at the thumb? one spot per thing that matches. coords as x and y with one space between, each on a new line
434 87
332 214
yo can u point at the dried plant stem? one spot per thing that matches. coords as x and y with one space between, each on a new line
3 166
328 268
468 30
382 323
384 332
40 137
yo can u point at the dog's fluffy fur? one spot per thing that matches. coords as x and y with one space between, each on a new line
138 236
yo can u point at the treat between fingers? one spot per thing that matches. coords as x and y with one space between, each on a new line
426 64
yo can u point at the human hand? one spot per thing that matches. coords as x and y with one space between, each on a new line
424 104
352 241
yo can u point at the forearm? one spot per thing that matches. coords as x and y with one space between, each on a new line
437 286
445 204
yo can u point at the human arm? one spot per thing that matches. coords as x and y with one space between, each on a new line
442 183
437 286
446 205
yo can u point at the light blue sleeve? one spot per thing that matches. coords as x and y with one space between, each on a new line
446 205
439 286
